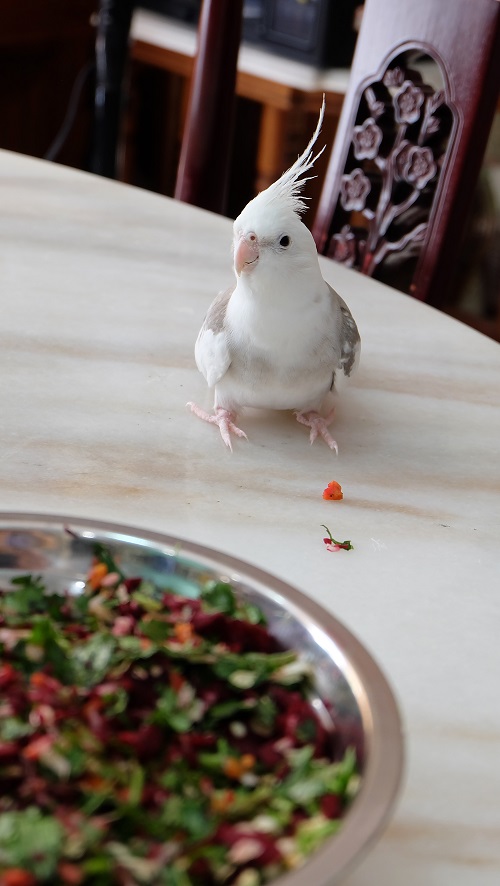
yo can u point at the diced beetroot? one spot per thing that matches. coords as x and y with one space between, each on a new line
207 622
93 713
176 604
200 868
153 795
8 675
131 608
147 741
331 806
70 873
191 743
77 630
213 694
8 749
268 755
132 584
295 715
240 636
270 853
43 688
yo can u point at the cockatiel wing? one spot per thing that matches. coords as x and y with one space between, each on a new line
211 351
350 342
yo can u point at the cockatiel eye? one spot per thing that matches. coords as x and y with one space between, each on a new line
285 241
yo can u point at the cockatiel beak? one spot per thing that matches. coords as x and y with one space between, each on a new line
246 253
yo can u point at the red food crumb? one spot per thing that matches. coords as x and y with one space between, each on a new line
333 492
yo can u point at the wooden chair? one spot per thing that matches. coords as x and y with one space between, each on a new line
206 144
204 163
410 141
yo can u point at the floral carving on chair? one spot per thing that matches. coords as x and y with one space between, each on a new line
354 189
366 140
343 248
419 167
398 145
407 103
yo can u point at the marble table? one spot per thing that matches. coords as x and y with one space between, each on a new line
103 289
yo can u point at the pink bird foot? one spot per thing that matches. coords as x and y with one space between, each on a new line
318 426
223 419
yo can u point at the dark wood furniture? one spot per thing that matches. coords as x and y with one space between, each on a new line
203 166
203 173
46 50
278 101
410 141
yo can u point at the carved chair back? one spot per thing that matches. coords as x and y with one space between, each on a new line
410 141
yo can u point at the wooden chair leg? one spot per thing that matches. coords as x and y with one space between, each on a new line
204 163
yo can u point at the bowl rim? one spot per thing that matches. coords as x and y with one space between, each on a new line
382 722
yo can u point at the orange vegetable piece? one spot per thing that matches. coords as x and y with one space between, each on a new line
235 768
247 762
96 575
221 802
183 631
232 768
36 748
333 492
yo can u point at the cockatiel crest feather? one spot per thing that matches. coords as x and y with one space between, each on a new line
288 188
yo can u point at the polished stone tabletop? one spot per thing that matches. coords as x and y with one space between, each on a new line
103 288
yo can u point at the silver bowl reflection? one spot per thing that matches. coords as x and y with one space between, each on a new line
352 695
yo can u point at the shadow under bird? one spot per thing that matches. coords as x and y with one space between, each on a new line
281 337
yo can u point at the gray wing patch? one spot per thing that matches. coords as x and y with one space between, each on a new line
211 350
216 313
350 341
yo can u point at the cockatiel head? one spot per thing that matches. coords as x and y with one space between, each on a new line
270 240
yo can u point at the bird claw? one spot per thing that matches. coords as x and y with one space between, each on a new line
318 426
223 419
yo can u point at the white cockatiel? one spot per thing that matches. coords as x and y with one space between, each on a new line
280 337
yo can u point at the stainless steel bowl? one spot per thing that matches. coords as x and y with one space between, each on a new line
351 689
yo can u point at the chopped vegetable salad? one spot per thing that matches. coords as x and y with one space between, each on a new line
148 738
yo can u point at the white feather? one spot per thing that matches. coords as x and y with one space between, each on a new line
286 191
212 355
